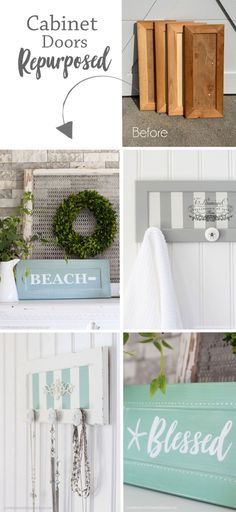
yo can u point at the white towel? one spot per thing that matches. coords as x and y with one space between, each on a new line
150 300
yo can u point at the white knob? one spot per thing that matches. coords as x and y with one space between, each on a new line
212 234
52 416
77 417
30 415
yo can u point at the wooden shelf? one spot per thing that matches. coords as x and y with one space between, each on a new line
60 314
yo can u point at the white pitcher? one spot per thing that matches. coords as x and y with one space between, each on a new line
8 289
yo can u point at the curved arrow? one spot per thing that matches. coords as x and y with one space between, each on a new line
67 128
231 21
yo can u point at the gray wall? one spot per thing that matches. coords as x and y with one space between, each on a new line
13 163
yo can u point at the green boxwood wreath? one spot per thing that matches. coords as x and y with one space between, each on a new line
106 224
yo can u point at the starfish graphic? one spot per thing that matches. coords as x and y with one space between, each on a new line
135 435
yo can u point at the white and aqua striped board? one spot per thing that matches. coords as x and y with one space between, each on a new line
183 210
69 382
184 442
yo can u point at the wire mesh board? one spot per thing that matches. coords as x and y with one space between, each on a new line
216 361
50 190
186 210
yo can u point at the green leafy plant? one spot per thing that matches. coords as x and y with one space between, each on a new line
230 337
159 383
73 242
12 243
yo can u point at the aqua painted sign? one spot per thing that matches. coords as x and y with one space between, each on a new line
184 442
58 279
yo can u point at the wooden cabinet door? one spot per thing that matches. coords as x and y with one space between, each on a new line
146 65
161 63
175 36
204 70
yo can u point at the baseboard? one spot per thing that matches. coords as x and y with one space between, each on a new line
130 88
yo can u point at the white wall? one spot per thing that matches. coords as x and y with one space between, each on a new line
197 10
204 273
15 349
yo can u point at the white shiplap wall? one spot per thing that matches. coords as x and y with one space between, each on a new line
197 10
204 273
15 350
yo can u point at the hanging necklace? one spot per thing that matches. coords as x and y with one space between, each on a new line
80 456
32 428
54 462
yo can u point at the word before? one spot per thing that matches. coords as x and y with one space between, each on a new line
149 133
69 279
164 439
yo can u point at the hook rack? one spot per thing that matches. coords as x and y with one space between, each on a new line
54 416
60 387
187 211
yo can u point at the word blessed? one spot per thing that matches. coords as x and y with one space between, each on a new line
57 279
162 438
28 64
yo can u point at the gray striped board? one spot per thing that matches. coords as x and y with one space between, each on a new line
184 210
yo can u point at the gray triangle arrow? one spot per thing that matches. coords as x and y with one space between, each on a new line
66 129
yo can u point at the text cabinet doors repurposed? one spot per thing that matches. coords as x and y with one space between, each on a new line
184 442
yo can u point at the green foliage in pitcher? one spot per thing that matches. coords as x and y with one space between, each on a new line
12 243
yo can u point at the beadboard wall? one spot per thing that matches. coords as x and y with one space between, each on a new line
15 350
201 10
204 273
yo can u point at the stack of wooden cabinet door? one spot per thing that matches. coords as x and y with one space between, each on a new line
181 68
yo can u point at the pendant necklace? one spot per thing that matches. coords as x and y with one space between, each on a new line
80 465
54 463
32 428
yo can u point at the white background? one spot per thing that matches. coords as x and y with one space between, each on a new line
204 273
104 444
197 10
32 109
